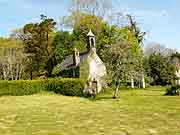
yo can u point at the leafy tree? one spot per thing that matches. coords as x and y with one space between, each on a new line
64 44
133 27
159 64
107 35
38 45
160 69
135 68
118 63
81 23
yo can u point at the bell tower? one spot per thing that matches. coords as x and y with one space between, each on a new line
91 40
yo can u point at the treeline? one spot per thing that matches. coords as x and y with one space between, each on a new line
35 50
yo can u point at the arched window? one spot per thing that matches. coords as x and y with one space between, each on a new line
92 42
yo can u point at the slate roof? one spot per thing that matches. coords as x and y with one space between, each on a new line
68 63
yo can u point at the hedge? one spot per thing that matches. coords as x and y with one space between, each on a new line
66 86
19 88
69 87
173 90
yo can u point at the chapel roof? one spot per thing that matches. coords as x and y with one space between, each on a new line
90 34
68 63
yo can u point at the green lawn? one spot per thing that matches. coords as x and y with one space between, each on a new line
137 112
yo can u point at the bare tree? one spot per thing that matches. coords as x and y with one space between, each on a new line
158 48
12 64
94 7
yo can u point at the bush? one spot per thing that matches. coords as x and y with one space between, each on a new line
66 86
19 88
69 87
173 90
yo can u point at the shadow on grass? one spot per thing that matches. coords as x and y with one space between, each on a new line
100 98
104 97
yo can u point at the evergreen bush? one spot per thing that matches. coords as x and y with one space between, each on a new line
173 90
21 87
64 86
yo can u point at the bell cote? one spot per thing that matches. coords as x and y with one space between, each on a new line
91 40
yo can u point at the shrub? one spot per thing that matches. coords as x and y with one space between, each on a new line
173 90
69 87
84 72
21 87
66 86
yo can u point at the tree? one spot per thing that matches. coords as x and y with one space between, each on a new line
158 48
136 70
159 64
64 43
161 70
108 35
118 63
11 59
93 7
137 51
38 43
133 27
81 23
11 63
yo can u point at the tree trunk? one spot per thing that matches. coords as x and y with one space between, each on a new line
20 72
116 91
132 83
143 82
31 76
11 71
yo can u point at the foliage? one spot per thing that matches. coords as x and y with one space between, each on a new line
64 86
43 47
108 36
160 69
173 90
124 58
133 27
84 71
64 44
11 59
38 46
175 60
71 73
19 88
81 23
175 55
10 43
117 56
69 87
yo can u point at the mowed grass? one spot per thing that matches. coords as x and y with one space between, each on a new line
136 112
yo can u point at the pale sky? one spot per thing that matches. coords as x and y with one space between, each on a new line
159 18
